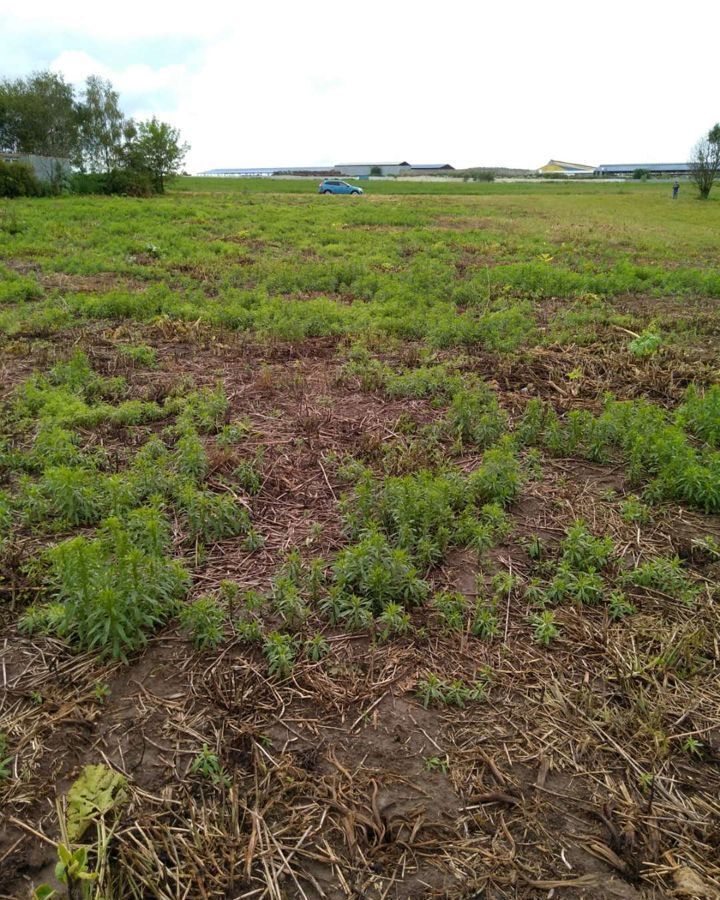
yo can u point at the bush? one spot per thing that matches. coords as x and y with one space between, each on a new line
123 182
18 180
87 183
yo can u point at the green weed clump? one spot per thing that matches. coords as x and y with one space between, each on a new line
249 475
498 478
189 456
203 410
288 602
204 619
73 490
426 514
6 516
140 355
423 382
665 575
378 574
577 575
394 620
654 448
451 607
212 517
316 647
418 512
583 588
73 495
113 591
646 344
72 395
54 445
280 651
475 418
700 414
583 551
432 690
208 765
545 629
233 433
632 509
371 373
486 621
619 607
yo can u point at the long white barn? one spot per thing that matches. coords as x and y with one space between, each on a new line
350 170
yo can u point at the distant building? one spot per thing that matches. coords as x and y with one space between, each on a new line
668 170
391 168
46 168
350 170
556 166
267 171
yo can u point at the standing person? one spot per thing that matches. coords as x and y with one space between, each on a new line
676 188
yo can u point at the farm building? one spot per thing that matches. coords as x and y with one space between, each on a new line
668 170
391 168
349 170
556 166
267 171
46 168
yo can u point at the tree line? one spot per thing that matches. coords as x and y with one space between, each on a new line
42 114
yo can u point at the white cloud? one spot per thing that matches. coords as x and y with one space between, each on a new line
136 79
466 83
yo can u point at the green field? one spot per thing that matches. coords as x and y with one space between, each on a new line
373 542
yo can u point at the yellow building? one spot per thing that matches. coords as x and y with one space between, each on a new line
565 168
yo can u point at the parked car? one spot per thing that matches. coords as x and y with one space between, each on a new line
333 186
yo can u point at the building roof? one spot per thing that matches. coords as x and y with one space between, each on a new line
653 167
356 165
269 170
568 165
266 170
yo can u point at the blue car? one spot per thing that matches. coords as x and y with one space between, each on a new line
333 186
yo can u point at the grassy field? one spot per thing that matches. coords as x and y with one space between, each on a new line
204 184
361 547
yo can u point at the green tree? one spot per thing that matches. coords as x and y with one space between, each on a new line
705 161
157 150
103 129
39 114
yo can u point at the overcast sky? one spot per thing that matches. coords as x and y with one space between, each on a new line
316 82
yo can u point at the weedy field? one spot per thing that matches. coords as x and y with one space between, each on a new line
360 547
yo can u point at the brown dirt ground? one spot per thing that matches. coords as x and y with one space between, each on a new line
340 783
